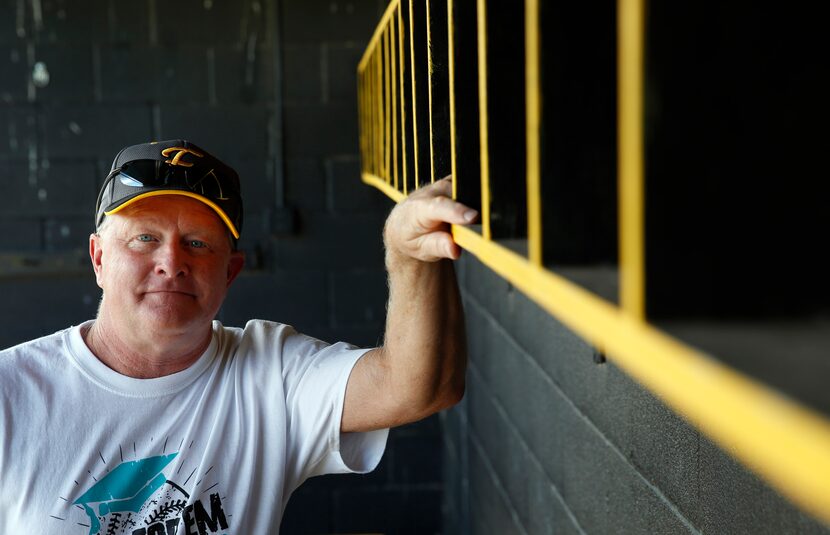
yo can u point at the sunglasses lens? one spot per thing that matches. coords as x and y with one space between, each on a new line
215 184
208 182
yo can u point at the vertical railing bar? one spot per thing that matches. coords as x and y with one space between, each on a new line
375 116
361 108
379 88
373 110
451 66
387 15
370 124
414 96
630 148
532 88
394 85
429 96
402 57
387 142
482 110
370 116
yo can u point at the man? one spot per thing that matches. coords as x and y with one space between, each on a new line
154 419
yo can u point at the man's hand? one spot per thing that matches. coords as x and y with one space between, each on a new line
419 227
421 367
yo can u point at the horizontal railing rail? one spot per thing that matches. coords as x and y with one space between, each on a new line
405 80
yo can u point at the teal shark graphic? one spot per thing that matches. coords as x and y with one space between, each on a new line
125 489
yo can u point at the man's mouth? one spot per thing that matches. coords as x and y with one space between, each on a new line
171 292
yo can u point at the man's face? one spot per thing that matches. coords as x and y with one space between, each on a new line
165 264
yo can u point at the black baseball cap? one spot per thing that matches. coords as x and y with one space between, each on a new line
175 167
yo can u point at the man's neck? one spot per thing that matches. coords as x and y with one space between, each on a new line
147 359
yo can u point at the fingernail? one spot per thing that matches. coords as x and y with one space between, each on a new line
469 215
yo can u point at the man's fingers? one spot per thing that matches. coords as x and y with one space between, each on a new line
417 227
439 187
441 209
437 245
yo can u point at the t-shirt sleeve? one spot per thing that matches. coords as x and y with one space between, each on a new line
315 376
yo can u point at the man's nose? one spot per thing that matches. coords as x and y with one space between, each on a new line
171 261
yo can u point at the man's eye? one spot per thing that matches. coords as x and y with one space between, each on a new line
197 244
145 237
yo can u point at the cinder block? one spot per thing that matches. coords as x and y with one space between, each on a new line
8 22
293 297
305 180
69 300
129 72
502 446
347 194
181 75
309 509
517 384
632 420
59 188
332 242
129 22
227 132
487 288
18 131
474 320
341 71
420 460
489 510
556 348
316 131
663 447
302 73
243 78
733 500
68 233
358 297
74 22
256 181
70 74
200 22
94 131
387 511
528 485
604 490
155 74
13 65
327 20
549 511
20 234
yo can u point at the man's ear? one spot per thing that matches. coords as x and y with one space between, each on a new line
235 264
95 254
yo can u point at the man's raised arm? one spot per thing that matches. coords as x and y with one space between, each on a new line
420 368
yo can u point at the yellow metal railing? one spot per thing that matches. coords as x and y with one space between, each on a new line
784 442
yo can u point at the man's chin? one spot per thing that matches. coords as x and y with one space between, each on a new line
173 320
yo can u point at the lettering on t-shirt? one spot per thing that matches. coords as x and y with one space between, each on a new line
148 497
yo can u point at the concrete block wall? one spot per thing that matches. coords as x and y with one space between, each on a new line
80 80
548 440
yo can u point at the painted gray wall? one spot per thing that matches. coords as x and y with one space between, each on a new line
549 441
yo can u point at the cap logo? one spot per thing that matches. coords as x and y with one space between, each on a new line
180 152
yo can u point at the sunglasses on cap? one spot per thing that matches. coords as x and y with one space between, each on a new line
171 168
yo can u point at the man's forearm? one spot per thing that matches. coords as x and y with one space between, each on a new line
420 368
425 343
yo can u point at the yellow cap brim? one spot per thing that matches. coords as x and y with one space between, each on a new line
221 213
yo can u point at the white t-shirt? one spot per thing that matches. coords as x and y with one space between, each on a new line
216 448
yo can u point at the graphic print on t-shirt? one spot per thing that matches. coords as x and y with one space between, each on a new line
148 497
